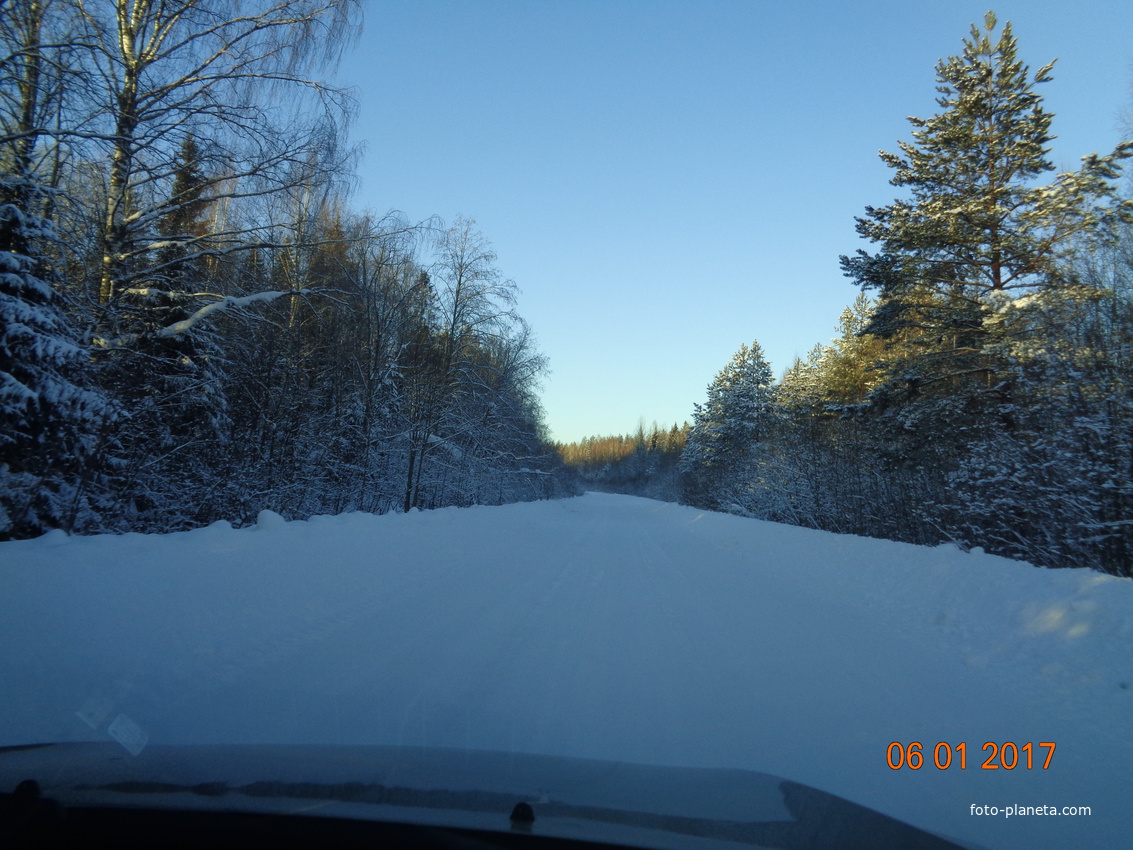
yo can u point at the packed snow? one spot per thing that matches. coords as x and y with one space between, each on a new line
603 626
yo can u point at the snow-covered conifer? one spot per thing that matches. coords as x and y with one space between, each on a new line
727 429
976 226
48 418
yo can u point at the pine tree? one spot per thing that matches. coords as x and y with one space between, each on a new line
727 429
799 390
991 426
976 231
848 370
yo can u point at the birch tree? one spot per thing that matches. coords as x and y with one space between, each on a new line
215 72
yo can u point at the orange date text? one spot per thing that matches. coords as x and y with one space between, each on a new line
1005 756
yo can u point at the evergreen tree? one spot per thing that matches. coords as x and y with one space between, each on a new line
1000 423
182 226
1056 488
976 231
48 418
727 429
849 368
799 390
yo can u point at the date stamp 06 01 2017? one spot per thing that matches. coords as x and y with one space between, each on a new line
1006 756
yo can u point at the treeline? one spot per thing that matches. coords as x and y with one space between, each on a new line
194 325
642 464
981 389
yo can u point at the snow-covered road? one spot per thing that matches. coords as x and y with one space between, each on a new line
606 627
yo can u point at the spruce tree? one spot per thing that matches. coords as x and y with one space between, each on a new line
182 225
48 415
48 418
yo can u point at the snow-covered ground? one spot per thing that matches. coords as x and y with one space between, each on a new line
605 627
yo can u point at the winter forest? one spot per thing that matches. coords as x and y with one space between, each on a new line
196 326
978 390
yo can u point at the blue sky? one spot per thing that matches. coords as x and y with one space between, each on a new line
667 180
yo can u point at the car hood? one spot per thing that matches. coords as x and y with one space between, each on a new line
583 799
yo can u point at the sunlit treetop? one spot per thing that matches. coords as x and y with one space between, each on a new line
975 219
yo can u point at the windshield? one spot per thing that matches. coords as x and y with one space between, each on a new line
572 381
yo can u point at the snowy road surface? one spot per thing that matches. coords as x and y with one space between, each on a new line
607 627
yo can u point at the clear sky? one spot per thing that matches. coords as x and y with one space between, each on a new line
667 180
